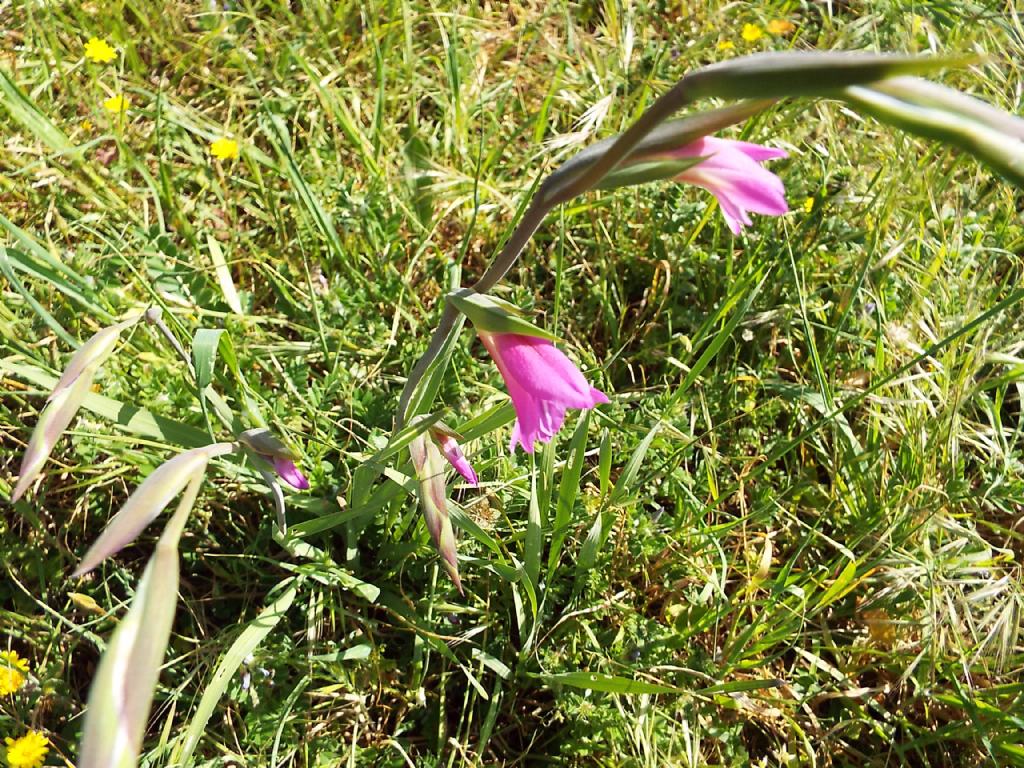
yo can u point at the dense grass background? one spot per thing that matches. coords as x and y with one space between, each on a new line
748 583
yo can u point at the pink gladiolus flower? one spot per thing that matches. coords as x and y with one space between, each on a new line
269 449
290 473
542 383
732 174
455 457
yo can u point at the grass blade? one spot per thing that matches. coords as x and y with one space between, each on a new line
246 643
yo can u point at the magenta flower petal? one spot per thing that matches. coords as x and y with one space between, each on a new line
756 152
455 457
731 172
542 370
290 473
543 384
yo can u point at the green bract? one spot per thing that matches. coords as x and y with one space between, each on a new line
492 315
642 173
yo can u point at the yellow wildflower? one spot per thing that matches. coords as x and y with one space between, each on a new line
116 104
29 751
751 33
808 205
13 669
224 149
87 125
99 51
726 45
780 27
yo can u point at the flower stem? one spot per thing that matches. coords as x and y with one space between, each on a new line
154 317
528 224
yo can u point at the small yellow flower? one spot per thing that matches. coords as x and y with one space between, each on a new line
751 33
116 104
726 45
780 27
224 149
87 125
808 205
29 751
99 51
12 659
13 669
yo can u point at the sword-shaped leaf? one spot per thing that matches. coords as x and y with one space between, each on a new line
122 690
149 500
64 402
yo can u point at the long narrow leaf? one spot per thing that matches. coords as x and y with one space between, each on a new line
149 500
122 690
246 643
568 489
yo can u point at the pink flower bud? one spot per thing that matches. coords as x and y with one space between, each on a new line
451 450
269 449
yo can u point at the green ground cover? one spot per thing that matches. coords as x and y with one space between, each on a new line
721 575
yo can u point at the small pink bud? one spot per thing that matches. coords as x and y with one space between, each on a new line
452 452
268 448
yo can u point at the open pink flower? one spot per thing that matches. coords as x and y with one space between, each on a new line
542 383
732 174
450 448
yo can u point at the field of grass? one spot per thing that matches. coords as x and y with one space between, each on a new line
703 572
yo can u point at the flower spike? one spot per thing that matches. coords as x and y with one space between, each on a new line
429 467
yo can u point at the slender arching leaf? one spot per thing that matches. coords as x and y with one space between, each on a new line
149 500
246 643
122 689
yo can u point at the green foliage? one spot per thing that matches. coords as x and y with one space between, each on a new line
791 538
